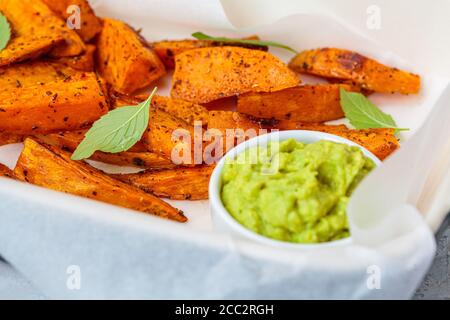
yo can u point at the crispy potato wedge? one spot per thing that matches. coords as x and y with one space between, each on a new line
381 142
207 74
85 62
90 24
168 49
308 103
6 172
223 120
8 138
40 97
180 183
348 65
52 168
32 36
136 156
124 60
171 138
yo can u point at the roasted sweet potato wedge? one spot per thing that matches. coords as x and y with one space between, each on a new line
6 172
124 59
52 168
207 74
90 25
230 120
168 49
381 142
8 138
348 65
308 103
180 183
40 97
171 138
84 62
137 156
35 28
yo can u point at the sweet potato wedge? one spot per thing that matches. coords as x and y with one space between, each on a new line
180 183
136 156
308 103
171 137
124 60
381 142
348 65
8 138
84 62
32 36
207 74
52 168
40 97
6 172
223 120
168 49
90 24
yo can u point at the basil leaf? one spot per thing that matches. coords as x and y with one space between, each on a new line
363 114
202 36
116 131
5 32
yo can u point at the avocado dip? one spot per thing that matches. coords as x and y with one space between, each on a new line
292 191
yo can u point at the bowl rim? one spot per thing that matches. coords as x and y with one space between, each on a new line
215 185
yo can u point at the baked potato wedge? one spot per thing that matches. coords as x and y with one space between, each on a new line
168 49
90 24
307 103
179 183
8 138
40 97
124 60
348 65
84 62
52 168
207 74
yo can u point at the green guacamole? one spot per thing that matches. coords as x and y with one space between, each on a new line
293 191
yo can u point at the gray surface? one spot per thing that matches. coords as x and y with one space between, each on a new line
436 284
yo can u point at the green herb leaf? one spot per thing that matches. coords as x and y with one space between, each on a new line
116 131
363 114
5 32
202 36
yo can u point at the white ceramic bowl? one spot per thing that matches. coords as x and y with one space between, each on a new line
222 218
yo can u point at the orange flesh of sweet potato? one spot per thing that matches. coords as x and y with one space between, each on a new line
52 168
168 49
8 138
136 156
308 103
85 62
6 172
207 74
179 183
90 24
31 31
40 98
348 65
124 60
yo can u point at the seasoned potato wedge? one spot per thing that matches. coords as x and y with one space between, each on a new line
168 49
348 65
180 183
8 138
308 103
6 172
51 167
223 120
136 156
84 62
381 142
90 24
170 137
207 74
40 97
124 60
35 28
